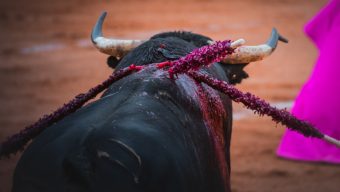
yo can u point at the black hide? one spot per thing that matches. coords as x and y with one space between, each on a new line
147 133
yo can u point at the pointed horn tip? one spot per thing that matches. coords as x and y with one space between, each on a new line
97 29
274 38
283 39
104 13
102 16
280 37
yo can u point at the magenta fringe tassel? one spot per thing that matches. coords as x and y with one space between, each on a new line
17 142
259 105
203 56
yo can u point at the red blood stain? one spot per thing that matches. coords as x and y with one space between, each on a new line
214 114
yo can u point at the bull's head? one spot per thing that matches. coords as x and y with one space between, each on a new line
233 64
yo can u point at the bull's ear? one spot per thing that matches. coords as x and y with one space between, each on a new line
112 61
235 72
168 54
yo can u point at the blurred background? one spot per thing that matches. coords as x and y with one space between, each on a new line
46 58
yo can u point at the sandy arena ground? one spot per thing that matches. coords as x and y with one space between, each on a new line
46 58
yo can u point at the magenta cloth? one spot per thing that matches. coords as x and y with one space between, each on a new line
319 99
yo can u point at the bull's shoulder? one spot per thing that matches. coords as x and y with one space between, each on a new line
130 158
122 158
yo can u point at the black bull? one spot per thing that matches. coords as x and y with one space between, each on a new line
146 133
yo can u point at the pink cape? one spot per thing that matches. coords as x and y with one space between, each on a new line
319 99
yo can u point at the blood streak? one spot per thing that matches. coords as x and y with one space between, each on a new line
214 114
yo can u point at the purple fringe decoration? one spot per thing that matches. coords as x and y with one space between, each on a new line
202 56
17 142
259 106
197 58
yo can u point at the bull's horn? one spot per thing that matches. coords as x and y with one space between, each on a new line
247 54
114 47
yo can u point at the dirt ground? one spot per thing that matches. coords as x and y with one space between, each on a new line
46 58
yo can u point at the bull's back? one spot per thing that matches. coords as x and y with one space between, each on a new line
145 134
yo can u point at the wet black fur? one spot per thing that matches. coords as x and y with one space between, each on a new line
146 133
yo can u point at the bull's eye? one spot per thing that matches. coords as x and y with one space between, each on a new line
112 61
